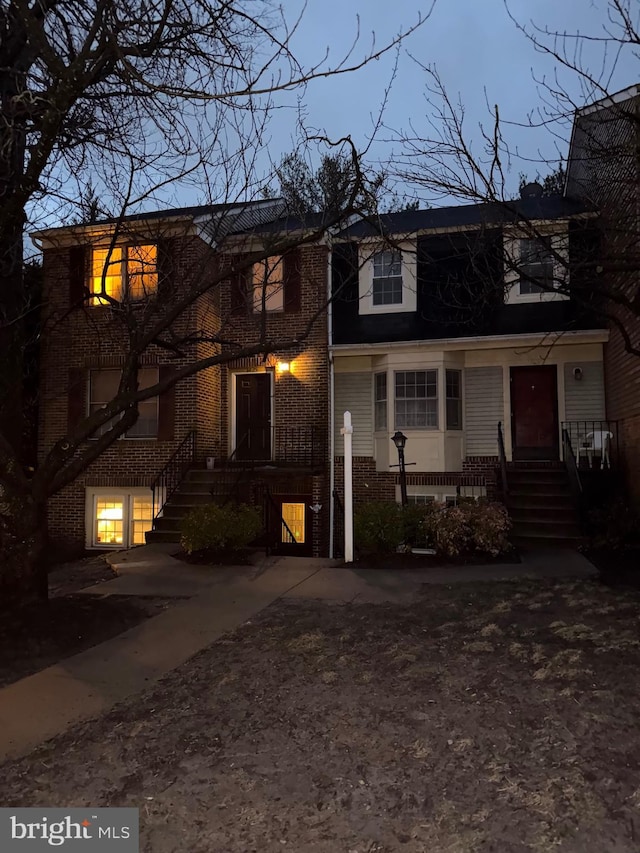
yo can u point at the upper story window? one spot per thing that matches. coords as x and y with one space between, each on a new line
268 284
386 287
124 273
416 403
387 279
103 387
536 267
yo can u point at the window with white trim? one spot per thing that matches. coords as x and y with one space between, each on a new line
380 401
416 399
118 518
421 500
453 382
386 286
536 266
103 387
268 284
123 273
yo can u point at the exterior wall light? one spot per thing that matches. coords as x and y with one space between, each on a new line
284 367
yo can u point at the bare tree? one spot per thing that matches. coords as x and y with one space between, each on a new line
445 162
122 105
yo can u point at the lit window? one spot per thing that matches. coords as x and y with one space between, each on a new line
536 267
118 518
103 387
387 278
293 518
380 401
268 284
108 276
141 519
454 399
416 402
109 521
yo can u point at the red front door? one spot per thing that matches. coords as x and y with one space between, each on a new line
534 412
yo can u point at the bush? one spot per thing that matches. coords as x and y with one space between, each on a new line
220 528
378 527
615 526
471 527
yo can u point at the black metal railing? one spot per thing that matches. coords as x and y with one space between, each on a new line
300 445
503 463
338 525
594 443
173 473
571 465
276 535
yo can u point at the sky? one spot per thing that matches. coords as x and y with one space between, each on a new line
478 51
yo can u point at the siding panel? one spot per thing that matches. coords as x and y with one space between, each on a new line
353 394
484 407
584 398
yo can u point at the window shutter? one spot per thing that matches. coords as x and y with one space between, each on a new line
77 274
239 288
166 406
292 282
166 267
76 399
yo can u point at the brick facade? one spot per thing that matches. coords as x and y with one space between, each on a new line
93 338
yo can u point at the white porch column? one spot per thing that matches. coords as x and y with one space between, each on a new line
347 432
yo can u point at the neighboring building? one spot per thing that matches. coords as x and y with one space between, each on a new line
268 421
435 335
603 169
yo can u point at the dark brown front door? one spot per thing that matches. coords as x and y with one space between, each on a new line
534 412
253 416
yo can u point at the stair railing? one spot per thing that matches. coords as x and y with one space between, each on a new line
503 463
271 511
573 473
173 472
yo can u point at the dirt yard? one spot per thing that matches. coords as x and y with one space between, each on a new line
495 717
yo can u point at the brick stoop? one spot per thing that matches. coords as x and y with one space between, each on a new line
541 507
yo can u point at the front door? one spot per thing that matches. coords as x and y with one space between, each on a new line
253 416
534 412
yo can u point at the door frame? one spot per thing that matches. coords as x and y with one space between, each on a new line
234 387
556 410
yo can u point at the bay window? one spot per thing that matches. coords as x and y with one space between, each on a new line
453 382
380 401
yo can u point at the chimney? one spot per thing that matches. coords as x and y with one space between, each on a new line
533 190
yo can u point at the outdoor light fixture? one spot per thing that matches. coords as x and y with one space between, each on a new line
400 439
284 367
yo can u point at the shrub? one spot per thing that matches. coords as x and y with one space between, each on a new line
220 528
489 526
615 526
377 527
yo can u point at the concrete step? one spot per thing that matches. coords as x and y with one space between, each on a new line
532 500
533 476
549 489
546 529
543 514
546 541
162 536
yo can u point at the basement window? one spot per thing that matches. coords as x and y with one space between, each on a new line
118 518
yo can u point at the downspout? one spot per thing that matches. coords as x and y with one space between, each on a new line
331 400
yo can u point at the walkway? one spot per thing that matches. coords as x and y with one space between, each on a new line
217 601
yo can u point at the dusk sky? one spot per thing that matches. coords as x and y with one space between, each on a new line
475 47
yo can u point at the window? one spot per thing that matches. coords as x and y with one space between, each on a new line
387 278
421 500
118 518
380 401
268 284
103 387
454 399
124 272
416 403
536 265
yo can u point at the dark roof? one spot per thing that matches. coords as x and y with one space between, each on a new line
490 213
188 212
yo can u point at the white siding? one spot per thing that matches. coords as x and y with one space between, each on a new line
353 393
584 398
483 408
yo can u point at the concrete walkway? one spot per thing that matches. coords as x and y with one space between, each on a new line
218 599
